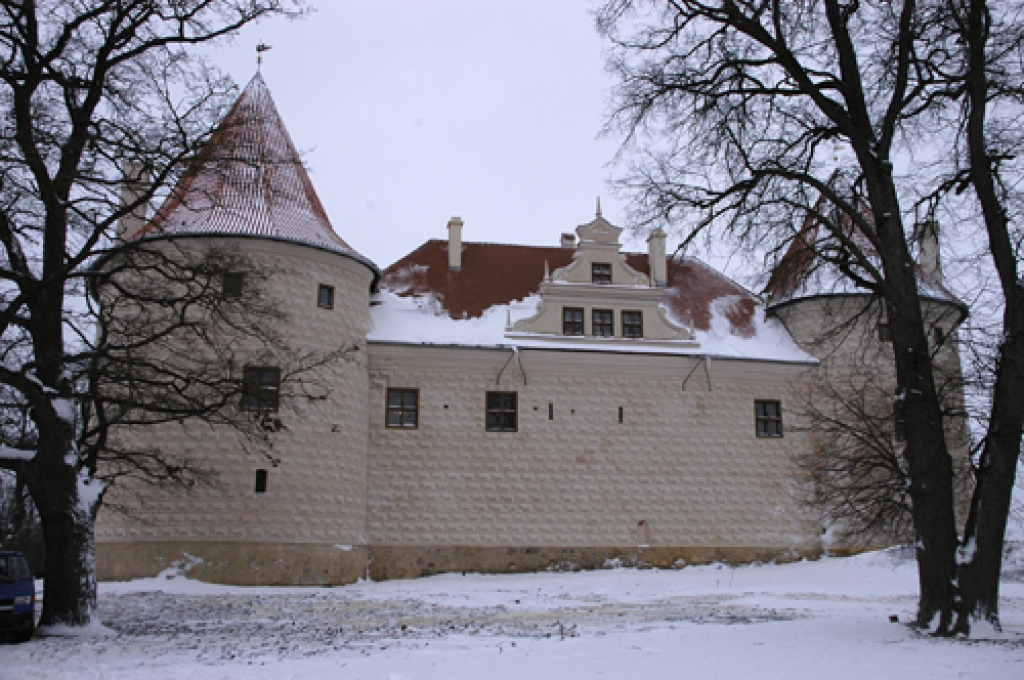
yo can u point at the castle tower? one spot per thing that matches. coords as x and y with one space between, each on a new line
293 509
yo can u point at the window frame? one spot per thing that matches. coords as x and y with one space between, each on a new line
324 288
767 419
565 322
603 278
232 285
402 408
259 390
501 411
639 324
262 482
610 325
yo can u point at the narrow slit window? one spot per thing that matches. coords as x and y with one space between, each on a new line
325 297
551 411
261 481
622 414
768 415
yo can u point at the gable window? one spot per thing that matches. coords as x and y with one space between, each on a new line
232 284
632 324
604 323
572 321
325 297
885 332
501 412
260 389
403 408
768 415
601 272
261 482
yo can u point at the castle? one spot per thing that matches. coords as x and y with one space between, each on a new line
502 408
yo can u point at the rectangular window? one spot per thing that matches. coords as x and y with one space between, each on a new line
632 324
604 323
232 284
260 389
325 297
940 336
501 412
261 481
572 321
884 332
601 272
769 418
403 408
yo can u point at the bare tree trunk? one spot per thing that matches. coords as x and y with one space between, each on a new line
67 503
981 561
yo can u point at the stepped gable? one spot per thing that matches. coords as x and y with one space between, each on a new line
497 274
249 180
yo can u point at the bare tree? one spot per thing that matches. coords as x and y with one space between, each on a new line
89 88
736 106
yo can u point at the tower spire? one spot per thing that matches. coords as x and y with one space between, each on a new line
598 206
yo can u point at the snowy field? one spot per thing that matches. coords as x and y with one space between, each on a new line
825 619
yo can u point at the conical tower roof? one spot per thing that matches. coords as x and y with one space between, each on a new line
249 181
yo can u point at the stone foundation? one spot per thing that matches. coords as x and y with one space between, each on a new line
412 562
234 562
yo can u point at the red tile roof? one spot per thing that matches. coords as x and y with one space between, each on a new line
497 274
249 180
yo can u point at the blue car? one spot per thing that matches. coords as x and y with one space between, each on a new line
17 597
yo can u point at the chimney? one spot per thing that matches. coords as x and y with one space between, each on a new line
568 240
134 184
928 243
656 260
455 244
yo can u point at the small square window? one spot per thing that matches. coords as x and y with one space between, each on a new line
260 389
632 324
769 418
261 482
232 284
572 321
604 323
403 408
884 332
501 412
601 272
325 297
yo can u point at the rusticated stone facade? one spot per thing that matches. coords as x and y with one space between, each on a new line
309 525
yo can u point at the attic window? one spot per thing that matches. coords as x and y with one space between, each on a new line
604 323
325 297
572 321
601 272
632 324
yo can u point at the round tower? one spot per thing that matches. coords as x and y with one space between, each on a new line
286 500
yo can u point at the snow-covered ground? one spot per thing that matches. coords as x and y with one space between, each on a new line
823 619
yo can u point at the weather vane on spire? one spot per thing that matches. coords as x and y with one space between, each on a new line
260 49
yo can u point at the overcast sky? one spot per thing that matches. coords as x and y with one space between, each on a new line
412 111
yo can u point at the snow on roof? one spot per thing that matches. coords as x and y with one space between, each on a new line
422 320
249 180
